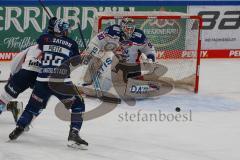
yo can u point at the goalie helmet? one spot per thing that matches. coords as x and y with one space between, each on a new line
127 26
61 27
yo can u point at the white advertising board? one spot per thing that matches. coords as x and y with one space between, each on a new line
221 26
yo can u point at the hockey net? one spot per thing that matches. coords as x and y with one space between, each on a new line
175 36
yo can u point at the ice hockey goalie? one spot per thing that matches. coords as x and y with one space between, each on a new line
124 59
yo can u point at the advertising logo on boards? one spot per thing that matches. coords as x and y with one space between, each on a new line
162 32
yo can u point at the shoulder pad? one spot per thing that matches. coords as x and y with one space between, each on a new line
113 30
139 33
138 36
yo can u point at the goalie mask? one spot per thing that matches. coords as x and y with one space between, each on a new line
127 26
61 27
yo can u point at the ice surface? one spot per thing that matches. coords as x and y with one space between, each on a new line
213 133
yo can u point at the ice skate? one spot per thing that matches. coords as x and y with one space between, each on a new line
75 141
16 133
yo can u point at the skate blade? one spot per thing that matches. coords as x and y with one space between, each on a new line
72 144
20 110
10 141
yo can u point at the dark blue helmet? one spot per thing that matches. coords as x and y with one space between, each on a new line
51 23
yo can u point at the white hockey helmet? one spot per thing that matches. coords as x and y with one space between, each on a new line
127 26
61 27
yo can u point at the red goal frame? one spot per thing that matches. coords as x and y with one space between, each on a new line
199 18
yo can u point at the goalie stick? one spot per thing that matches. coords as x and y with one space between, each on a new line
101 95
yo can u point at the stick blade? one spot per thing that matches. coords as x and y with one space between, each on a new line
110 99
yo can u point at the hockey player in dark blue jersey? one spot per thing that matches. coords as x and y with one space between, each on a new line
24 71
57 49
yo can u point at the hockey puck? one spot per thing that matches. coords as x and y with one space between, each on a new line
177 109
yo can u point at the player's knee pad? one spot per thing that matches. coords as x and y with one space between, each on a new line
20 81
12 90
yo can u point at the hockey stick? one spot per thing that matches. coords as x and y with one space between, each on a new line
81 35
95 78
45 8
3 81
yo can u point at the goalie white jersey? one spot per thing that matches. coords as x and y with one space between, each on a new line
104 41
28 59
136 44
112 37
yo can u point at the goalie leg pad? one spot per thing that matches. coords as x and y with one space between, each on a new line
154 71
93 66
140 89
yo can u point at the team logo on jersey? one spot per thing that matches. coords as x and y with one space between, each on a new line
34 63
46 39
116 28
104 66
163 32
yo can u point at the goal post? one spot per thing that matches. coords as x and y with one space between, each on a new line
176 37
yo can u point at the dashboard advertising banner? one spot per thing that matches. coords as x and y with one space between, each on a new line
20 26
24 24
220 31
